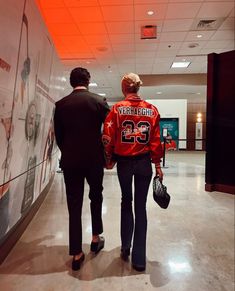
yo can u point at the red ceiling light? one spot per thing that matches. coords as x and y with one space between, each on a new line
149 32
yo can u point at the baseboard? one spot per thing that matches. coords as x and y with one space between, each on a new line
220 188
16 232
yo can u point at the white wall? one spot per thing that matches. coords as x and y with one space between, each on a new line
30 83
172 108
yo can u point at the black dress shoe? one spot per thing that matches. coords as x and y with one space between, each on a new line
125 253
97 246
138 268
76 264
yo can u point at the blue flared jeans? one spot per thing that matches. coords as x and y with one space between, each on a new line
134 225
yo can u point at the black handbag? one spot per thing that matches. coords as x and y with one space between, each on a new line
160 195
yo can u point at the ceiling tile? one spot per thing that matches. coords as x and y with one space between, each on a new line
121 38
166 53
146 47
100 39
173 36
166 60
92 28
216 9
197 45
182 10
123 47
80 3
229 23
58 15
124 58
115 2
141 56
118 13
169 46
120 27
158 9
187 1
143 70
217 44
64 29
223 35
162 68
86 14
149 1
177 25
50 4
205 35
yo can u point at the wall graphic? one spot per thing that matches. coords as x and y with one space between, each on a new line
30 82
169 128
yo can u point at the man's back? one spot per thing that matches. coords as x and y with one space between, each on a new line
78 120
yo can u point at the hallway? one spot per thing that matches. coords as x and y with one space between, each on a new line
190 246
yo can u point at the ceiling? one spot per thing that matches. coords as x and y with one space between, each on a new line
104 36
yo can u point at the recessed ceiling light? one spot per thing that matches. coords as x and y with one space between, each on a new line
198 93
93 85
193 45
180 64
150 12
158 92
199 36
102 94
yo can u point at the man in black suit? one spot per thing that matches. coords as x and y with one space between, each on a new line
77 121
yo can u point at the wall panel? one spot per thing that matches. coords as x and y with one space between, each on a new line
30 82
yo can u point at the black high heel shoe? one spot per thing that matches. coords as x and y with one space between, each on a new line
76 264
97 246
125 253
138 268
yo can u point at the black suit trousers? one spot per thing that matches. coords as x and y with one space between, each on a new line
74 184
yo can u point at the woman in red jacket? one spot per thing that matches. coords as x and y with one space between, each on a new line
132 138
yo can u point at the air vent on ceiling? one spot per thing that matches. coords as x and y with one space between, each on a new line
207 24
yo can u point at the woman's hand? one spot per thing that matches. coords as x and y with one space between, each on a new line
159 172
109 165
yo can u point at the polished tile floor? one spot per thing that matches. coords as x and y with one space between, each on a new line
190 245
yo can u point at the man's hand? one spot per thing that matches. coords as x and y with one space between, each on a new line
109 165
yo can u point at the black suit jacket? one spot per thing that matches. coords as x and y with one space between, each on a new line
78 120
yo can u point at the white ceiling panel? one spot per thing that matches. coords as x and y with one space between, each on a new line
124 47
80 14
223 35
118 13
146 47
115 2
182 10
166 53
159 11
229 23
121 38
169 46
120 27
217 44
216 9
80 3
94 28
203 35
177 25
173 36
